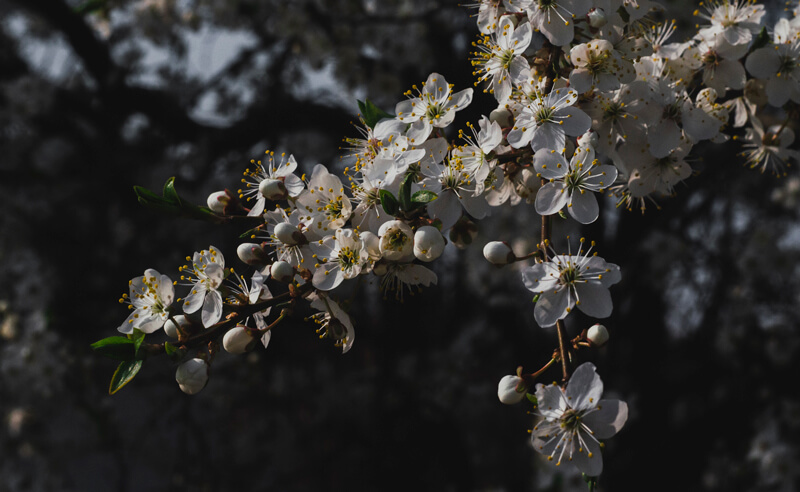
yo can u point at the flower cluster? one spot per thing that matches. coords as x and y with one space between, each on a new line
591 98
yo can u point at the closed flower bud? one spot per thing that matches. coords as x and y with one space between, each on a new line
237 340
597 18
397 241
597 334
192 376
217 201
252 254
428 243
380 269
498 253
589 138
282 271
273 189
172 325
511 390
372 244
501 116
289 234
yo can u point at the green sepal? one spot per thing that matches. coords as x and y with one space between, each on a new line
562 214
137 337
532 398
89 6
174 353
536 298
761 40
172 203
372 114
388 202
126 371
169 191
119 348
405 193
624 14
423 196
591 482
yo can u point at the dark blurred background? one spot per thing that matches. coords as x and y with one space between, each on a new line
97 96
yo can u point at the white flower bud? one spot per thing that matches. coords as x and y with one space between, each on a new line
511 390
237 340
597 334
192 376
281 271
397 241
252 254
589 139
597 18
288 234
172 325
380 269
217 201
498 253
272 189
372 244
428 243
501 116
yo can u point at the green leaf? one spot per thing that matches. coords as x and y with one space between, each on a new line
119 348
372 114
89 6
423 196
137 337
125 372
173 352
169 192
761 40
388 202
536 298
405 193
532 398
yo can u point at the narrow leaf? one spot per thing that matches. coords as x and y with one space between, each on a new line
119 348
405 192
169 192
372 114
125 372
388 202
423 196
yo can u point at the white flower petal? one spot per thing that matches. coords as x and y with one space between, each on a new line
585 388
608 419
595 299
551 198
583 207
552 306
212 308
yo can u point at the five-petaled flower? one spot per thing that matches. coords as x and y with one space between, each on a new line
575 419
570 280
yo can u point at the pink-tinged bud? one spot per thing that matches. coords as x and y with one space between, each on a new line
589 138
289 234
217 202
252 254
171 327
428 243
282 271
597 334
192 376
597 18
237 340
498 253
273 189
511 390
